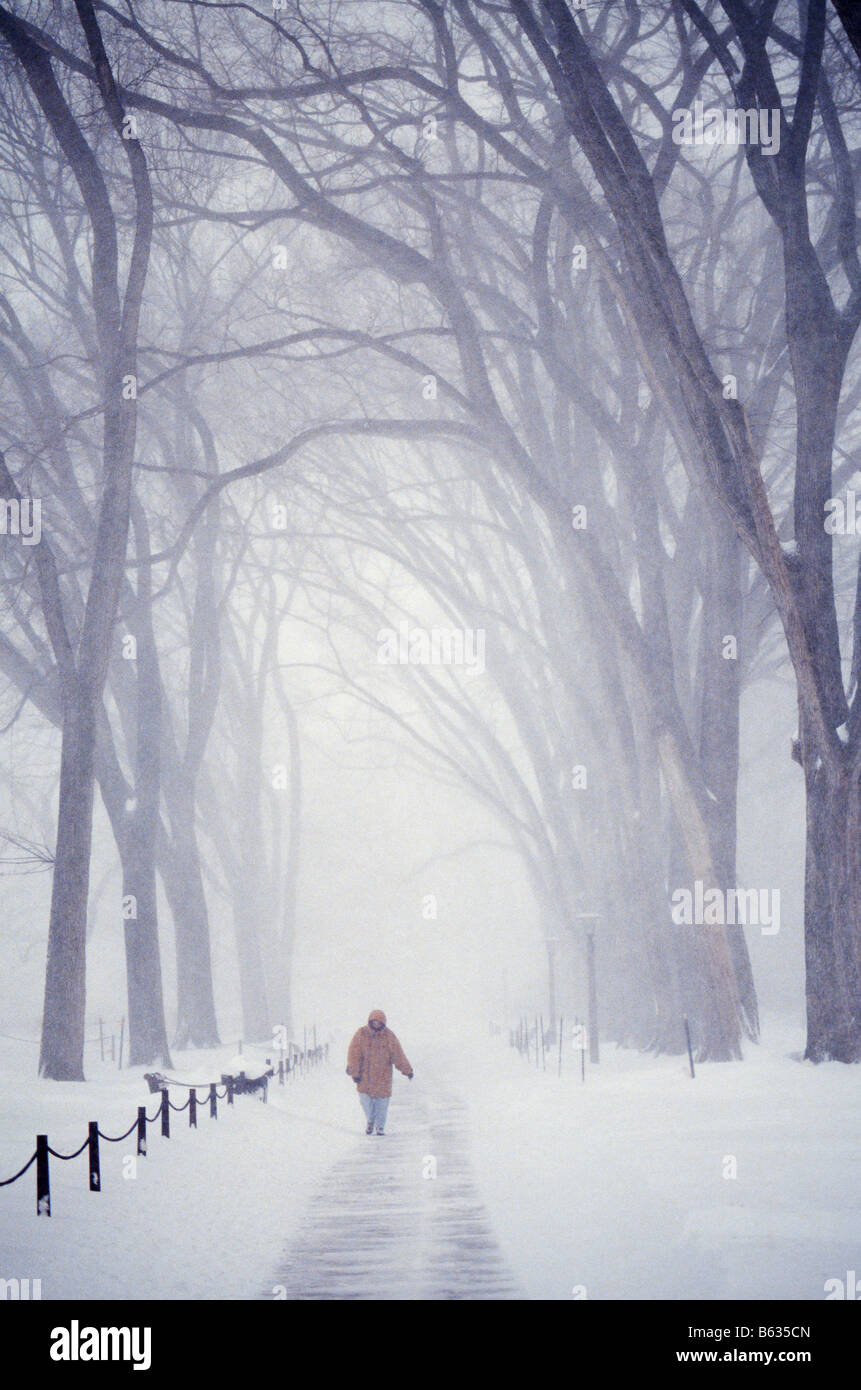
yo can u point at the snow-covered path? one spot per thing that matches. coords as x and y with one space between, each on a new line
494 1181
400 1217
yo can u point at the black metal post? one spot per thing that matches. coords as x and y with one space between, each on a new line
551 986
43 1177
229 1084
690 1049
93 1151
594 1051
192 1109
165 1114
213 1102
142 1131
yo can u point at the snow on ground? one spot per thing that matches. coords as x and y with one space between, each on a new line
208 1211
615 1188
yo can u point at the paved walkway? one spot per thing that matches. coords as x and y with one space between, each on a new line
379 1229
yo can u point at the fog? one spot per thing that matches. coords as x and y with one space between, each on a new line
430 552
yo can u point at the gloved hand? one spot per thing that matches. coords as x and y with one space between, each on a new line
410 1076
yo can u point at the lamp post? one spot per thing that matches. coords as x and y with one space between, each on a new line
590 921
551 942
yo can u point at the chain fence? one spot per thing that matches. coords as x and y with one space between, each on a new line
231 1085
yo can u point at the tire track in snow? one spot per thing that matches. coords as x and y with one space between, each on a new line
379 1229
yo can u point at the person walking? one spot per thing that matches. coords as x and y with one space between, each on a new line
372 1053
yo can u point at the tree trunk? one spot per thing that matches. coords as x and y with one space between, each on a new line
252 981
62 1052
712 985
249 891
719 731
135 845
179 858
147 1031
832 906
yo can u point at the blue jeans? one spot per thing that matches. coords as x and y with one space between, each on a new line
375 1108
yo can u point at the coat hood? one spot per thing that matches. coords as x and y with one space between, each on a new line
376 1016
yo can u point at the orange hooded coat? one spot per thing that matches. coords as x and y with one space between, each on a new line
371 1056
